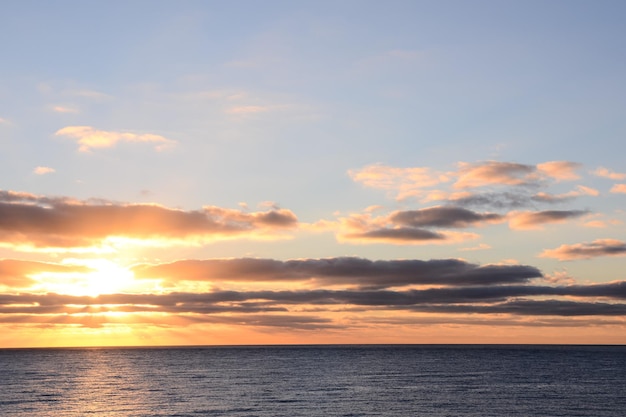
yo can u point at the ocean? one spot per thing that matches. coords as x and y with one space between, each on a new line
396 380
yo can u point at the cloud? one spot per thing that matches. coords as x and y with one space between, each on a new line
474 299
493 172
65 109
442 216
560 170
534 219
90 94
605 173
513 174
405 181
481 246
62 222
398 235
499 200
516 197
410 227
599 247
89 138
43 170
311 300
486 183
596 223
559 277
580 190
535 308
619 189
352 271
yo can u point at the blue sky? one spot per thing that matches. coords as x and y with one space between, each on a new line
325 111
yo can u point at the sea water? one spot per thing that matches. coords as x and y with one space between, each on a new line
315 381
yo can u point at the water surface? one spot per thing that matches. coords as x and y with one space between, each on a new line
295 381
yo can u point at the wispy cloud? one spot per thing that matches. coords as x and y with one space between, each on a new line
43 170
90 94
619 189
65 109
581 190
407 182
560 170
481 246
606 173
89 138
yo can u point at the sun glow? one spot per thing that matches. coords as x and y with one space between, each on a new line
104 277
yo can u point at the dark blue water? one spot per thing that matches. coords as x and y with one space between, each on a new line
315 381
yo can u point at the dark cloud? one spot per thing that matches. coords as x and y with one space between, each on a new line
443 216
399 234
535 308
61 222
475 297
342 271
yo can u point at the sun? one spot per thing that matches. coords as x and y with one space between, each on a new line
107 278
98 276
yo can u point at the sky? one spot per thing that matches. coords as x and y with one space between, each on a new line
278 172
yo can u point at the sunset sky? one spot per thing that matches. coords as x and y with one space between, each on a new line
268 172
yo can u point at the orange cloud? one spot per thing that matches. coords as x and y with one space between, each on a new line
482 246
64 109
492 173
560 170
619 189
43 170
61 222
557 198
89 138
605 173
599 247
406 182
